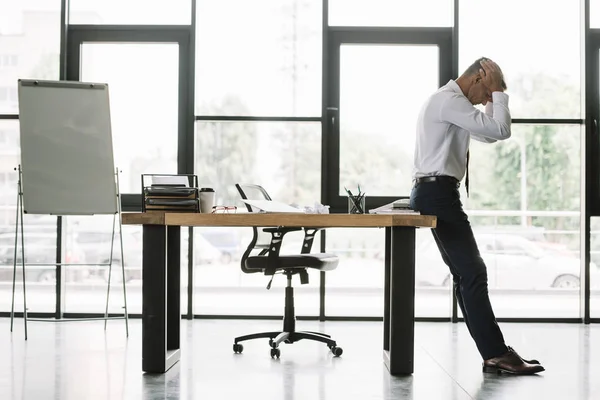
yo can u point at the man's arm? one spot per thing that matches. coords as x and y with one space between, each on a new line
489 111
459 111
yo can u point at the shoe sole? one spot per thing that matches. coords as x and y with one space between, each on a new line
498 370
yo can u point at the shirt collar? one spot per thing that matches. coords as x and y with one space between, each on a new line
452 85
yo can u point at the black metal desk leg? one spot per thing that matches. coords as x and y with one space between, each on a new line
158 253
173 287
386 289
399 358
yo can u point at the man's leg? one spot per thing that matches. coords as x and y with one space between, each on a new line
455 280
456 237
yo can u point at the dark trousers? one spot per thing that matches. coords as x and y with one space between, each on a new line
454 237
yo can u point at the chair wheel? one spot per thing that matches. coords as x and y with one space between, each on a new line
275 353
237 348
337 351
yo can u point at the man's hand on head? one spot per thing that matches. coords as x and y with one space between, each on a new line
491 75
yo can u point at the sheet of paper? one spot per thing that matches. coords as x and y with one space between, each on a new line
273 206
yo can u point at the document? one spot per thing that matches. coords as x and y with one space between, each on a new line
271 206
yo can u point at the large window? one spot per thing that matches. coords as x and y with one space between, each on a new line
262 59
258 105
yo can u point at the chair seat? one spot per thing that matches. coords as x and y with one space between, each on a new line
318 261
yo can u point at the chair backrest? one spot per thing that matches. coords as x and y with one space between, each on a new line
260 240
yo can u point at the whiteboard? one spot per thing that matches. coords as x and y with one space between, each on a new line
66 148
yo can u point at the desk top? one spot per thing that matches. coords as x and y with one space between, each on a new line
280 219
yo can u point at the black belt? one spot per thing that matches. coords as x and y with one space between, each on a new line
438 178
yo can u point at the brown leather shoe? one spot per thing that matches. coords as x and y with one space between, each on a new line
534 361
510 363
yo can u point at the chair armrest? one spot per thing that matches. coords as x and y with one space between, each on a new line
309 236
275 246
277 239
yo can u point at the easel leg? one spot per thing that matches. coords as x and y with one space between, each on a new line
122 253
23 265
12 310
110 262
123 272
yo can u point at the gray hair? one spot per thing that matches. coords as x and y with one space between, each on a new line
476 66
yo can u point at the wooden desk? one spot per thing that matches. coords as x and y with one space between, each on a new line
161 312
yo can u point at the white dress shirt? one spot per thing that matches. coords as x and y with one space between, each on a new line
445 125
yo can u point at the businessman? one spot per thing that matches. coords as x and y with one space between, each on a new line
446 123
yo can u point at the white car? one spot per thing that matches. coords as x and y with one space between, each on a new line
513 262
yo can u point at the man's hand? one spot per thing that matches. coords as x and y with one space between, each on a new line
491 75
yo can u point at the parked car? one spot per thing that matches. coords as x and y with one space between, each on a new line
226 240
513 262
40 248
96 246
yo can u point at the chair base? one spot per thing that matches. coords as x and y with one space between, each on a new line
276 338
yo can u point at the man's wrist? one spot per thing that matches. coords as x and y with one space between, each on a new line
497 89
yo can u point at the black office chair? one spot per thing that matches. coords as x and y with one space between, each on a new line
267 241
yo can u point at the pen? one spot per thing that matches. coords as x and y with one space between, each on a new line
355 202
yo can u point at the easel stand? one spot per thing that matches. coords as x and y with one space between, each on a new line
19 227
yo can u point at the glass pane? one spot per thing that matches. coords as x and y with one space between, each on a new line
144 104
525 214
29 46
220 286
595 272
267 65
355 288
543 76
390 13
382 88
594 14
130 12
89 237
284 158
40 237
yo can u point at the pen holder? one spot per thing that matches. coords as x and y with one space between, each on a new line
356 204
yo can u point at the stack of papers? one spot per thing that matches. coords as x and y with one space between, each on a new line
400 206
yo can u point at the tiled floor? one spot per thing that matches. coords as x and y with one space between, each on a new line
79 360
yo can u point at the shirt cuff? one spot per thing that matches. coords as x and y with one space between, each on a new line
500 97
